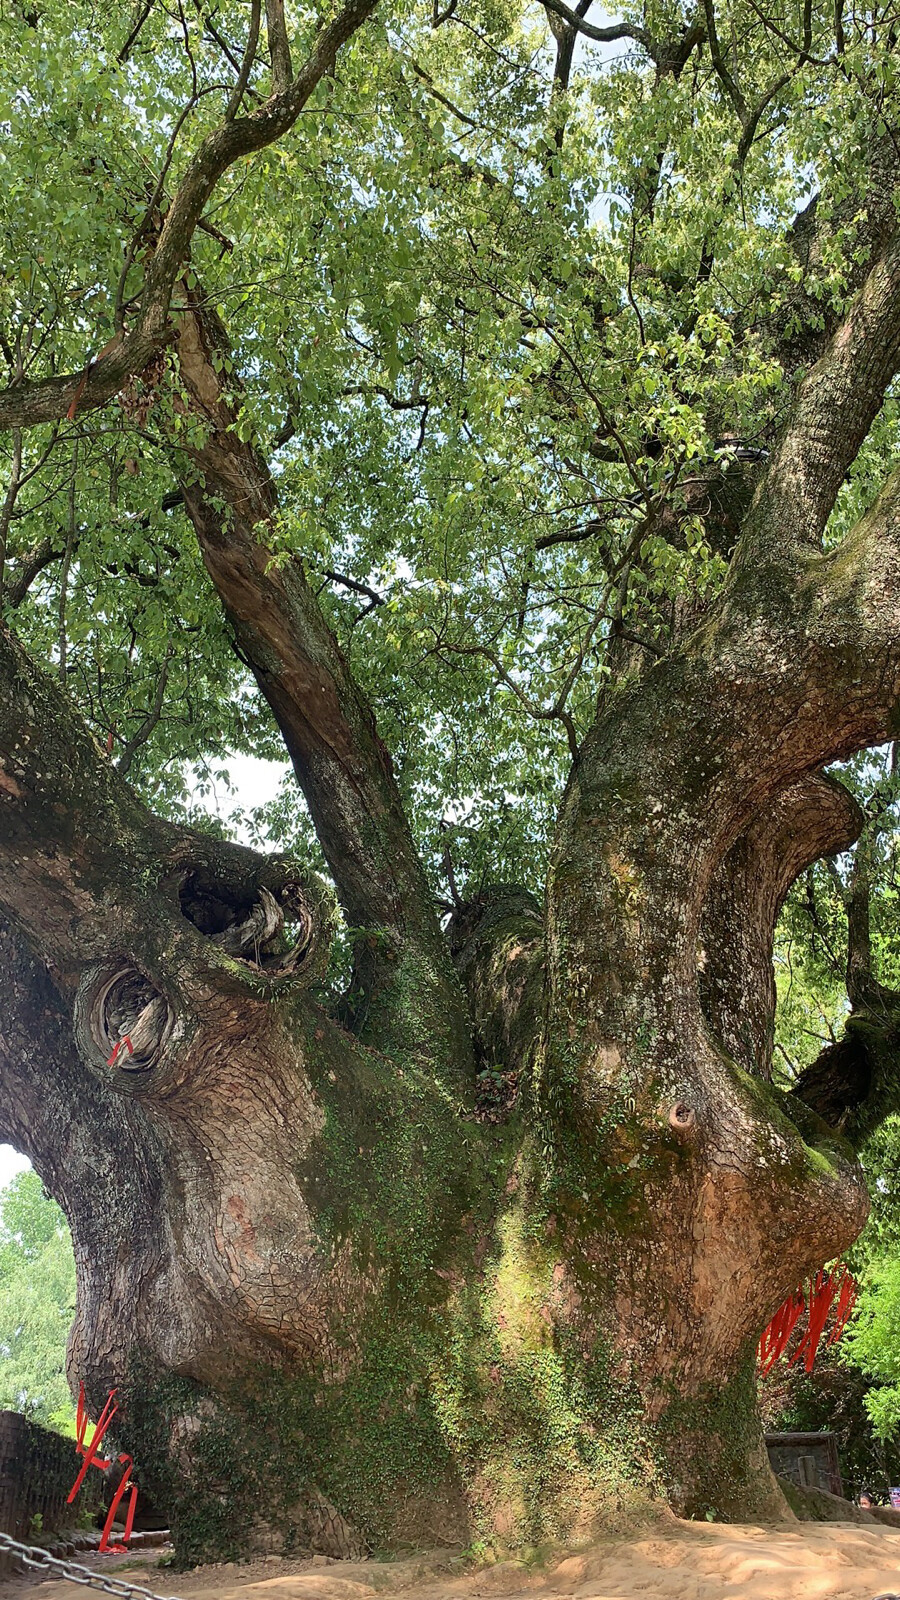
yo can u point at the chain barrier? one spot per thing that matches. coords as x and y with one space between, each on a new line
42 1561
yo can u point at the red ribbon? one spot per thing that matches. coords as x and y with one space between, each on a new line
129 1520
116 1501
90 1454
81 1420
821 1297
823 1290
124 1043
109 1411
777 1335
846 1302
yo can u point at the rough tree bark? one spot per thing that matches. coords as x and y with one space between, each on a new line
299 1236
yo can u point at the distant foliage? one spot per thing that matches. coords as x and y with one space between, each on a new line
37 1303
874 1343
863 1404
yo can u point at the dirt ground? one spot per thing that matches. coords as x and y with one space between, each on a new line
678 1561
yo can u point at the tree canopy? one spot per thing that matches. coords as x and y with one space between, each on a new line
500 306
37 1302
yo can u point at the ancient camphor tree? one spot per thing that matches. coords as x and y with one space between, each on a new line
492 409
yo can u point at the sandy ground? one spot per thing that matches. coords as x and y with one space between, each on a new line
680 1561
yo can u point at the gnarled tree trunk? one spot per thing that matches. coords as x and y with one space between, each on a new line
347 1303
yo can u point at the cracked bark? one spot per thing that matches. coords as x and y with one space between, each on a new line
184 1161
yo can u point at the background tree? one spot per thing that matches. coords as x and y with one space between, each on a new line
37 1303
492 410
836 963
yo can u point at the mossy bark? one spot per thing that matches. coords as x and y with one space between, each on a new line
348 1303
298 1246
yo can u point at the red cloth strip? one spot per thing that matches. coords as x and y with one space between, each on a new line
93 1447
81 1420
846 1303
777 1335
129 1520
820 1300
824 1289
115 1503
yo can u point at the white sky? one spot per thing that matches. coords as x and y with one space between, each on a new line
253 783
11 1163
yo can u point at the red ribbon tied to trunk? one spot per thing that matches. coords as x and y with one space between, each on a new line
828 1289
92 1459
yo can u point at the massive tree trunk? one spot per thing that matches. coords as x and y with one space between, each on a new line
295 1237
349 1298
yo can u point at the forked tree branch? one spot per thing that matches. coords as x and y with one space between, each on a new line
26 404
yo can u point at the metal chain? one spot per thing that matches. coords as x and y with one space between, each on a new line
34 1556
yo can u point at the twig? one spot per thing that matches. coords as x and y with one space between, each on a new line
123 765
9 501
67 561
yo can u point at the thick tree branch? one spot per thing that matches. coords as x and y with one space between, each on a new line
86 869
243 78
785 676
836 405
343 768
25 404
279 46
29 566
717 57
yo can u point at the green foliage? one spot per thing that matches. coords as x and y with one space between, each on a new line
858 1392
37 1303
874 1343
871 1344
494 351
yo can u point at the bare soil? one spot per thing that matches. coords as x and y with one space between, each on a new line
674 1561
